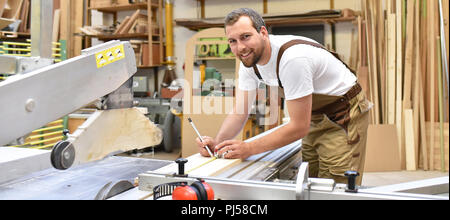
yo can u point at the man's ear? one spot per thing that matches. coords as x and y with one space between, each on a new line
264 31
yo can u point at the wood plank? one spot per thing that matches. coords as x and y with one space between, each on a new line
423 139
373 64
399 76
409 55
77 22
431 72
2 6
215 167
103 139
416 77
14 9
122 25
390 94
56 21
441 107
128 25
193 162
409 140
381 59
436 157
24 16
65 30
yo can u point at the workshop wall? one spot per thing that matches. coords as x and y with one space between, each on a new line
220 8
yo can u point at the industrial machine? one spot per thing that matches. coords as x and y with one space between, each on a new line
86 165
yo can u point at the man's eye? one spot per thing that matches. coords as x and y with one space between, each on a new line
246 36
231 41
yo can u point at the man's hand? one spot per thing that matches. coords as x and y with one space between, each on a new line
209 142
234 149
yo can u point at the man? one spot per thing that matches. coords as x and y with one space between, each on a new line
324 101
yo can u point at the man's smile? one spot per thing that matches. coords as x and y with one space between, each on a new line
245 55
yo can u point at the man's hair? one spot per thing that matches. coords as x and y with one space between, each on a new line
234 16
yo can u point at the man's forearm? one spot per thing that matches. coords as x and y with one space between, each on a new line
231 126
283 136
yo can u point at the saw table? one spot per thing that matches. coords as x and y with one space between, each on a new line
275 175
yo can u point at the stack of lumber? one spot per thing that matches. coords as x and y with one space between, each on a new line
320 16
401 68
136 23
12 10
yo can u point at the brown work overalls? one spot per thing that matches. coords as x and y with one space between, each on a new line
336 141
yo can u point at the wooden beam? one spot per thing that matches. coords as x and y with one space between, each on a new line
431 72
409 55
391 48
131 130
127 25
417 75
56 21
409 140
399 75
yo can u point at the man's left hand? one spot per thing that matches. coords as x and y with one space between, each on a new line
234 149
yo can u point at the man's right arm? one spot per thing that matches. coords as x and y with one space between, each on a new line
233 123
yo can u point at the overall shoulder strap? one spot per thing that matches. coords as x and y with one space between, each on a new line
257 72
298 41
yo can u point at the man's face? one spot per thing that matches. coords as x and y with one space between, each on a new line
245 42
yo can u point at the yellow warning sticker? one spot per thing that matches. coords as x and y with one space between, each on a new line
109 56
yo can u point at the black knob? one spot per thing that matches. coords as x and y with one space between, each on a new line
351 186
66 132
181 162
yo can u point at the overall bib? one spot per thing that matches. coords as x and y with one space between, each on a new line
336 141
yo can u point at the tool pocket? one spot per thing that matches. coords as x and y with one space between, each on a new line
364 104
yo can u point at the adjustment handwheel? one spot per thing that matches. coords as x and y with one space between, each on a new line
62 155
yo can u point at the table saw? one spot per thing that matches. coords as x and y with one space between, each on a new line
86 167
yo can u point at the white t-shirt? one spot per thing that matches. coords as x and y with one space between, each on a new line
304 70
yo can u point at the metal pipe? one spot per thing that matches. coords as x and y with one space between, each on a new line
169 32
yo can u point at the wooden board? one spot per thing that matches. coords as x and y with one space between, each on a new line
435 158
382 152
56 21
122 25
113 130
399 76
409 140
409 64
77 9
5 22
13 12
390 93
232 168
129 23
2 6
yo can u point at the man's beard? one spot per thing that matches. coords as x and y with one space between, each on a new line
251 62
255 59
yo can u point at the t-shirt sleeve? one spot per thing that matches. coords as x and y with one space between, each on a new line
246 81
297 78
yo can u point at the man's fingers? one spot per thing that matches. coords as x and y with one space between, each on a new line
223 144
227 150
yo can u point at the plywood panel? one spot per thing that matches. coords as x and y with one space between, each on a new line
382 152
